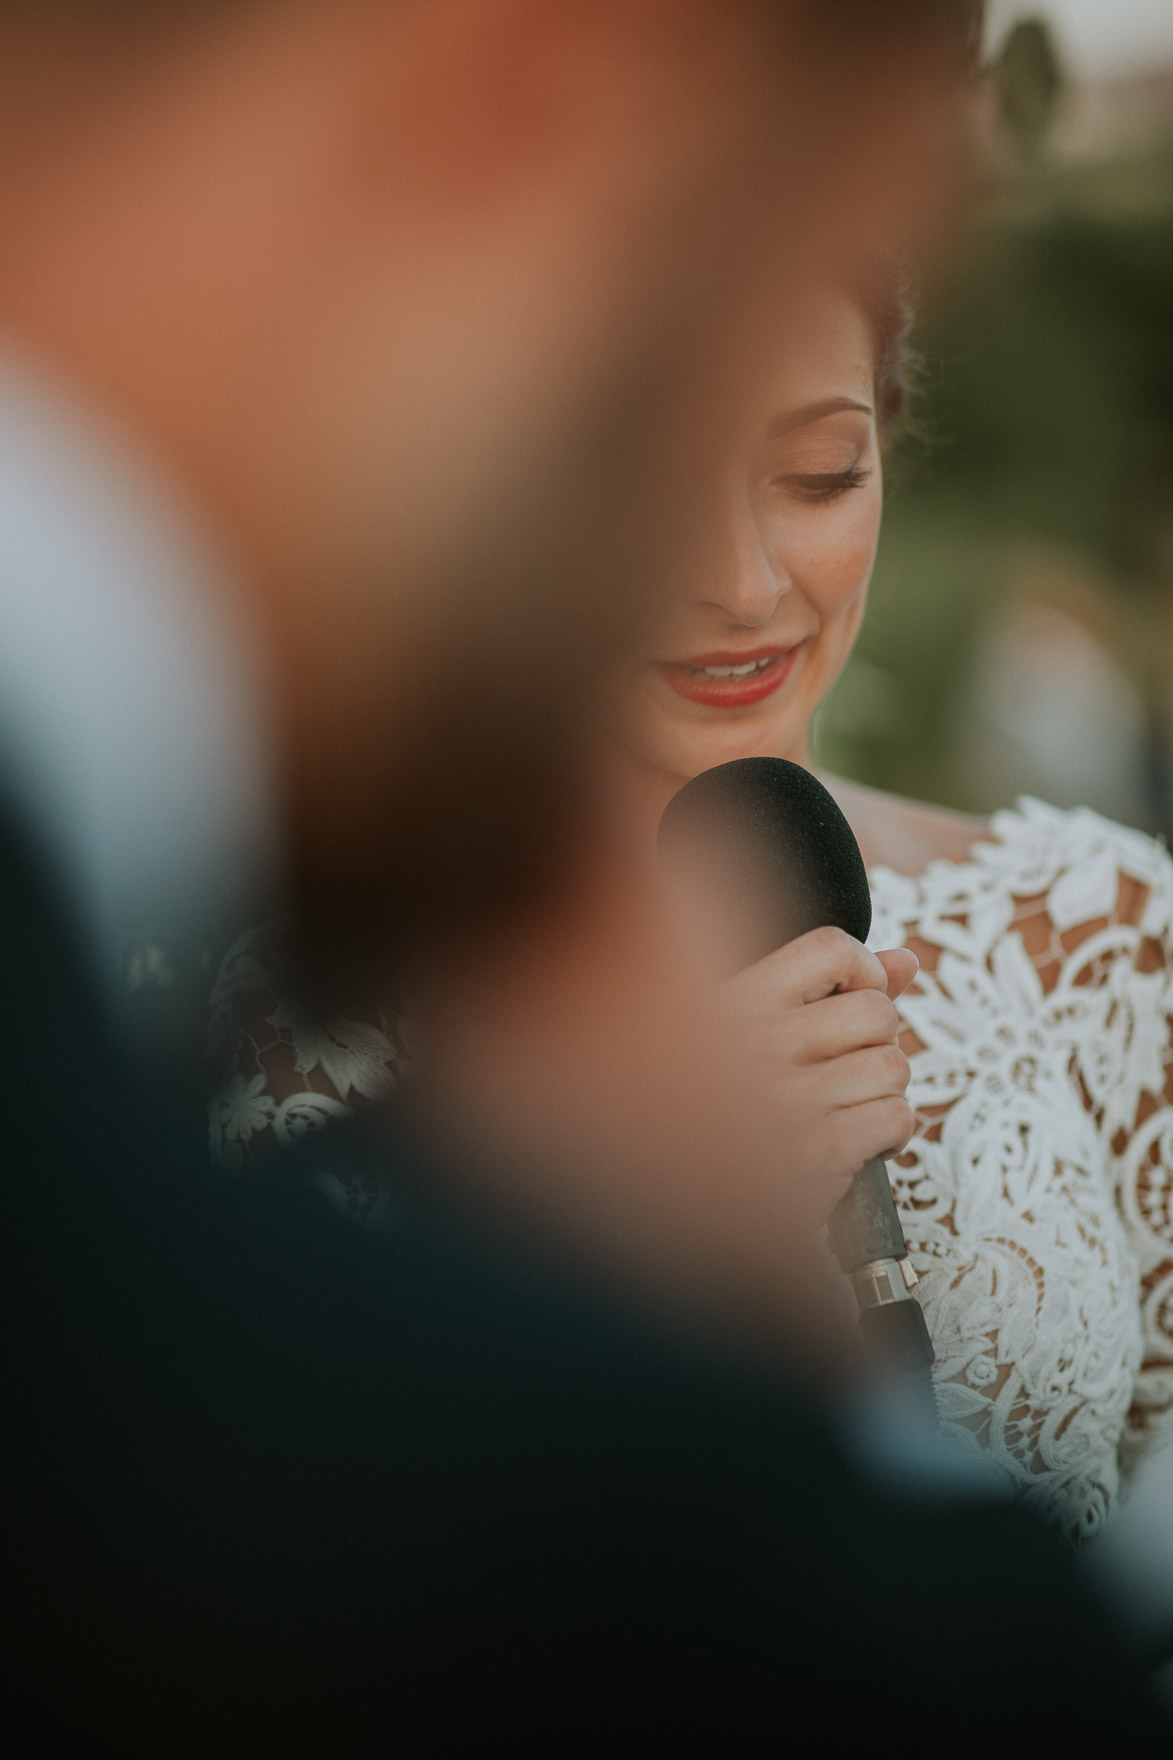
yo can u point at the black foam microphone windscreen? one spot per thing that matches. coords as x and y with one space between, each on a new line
781 844
785 861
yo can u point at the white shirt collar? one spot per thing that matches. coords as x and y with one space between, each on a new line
132 734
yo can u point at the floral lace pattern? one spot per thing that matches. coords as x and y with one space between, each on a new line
1036 1194
290 1074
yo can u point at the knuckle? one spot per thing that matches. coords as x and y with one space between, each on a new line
883 1072
833 943
877 1015
896 1066
900 1123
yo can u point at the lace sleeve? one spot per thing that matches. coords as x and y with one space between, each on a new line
1035 1193
1134 1100
281 1074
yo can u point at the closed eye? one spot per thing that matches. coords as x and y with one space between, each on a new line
823 485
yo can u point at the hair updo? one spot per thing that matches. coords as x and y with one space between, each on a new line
885 297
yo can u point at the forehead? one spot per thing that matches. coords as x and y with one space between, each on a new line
822 347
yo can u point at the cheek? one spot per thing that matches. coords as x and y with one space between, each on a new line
827 553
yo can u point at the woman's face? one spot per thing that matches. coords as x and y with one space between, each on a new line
748 653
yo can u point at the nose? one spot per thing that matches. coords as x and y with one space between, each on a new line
743 580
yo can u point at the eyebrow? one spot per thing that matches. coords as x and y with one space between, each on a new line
814 412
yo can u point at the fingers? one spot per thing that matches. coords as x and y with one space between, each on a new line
814 966
880 1072
902 966
878 1127
819 1020
841 1024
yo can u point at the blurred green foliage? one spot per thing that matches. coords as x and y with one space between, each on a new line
1047 400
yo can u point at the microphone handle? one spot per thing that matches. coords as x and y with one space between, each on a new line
868 1241
865 1225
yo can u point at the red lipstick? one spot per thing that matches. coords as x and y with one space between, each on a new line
729 680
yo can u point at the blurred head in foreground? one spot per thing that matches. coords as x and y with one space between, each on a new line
445 314
437 309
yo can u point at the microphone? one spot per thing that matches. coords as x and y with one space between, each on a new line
783 854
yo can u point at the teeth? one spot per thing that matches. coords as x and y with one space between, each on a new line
735 671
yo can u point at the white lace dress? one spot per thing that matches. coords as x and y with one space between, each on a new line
1037 1193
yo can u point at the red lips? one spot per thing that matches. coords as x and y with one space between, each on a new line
772 667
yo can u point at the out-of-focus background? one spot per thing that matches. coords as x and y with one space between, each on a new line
1020 635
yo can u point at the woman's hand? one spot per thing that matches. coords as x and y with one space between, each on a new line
819 1026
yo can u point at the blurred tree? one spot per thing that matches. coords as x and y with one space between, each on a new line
1048 397
1030 83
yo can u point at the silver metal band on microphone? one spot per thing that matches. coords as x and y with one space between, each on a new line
883 1282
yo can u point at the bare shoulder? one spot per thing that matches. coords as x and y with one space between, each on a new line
905 835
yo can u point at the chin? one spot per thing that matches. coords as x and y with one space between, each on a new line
691 751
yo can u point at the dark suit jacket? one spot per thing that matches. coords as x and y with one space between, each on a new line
275 1485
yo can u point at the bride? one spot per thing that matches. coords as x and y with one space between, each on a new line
1037 1191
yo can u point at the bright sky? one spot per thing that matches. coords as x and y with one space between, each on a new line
1099 37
